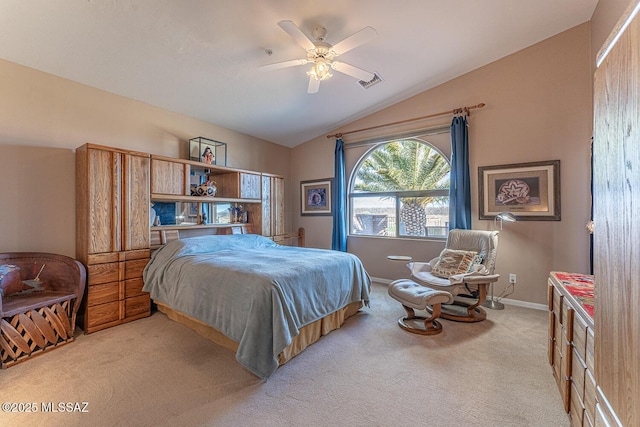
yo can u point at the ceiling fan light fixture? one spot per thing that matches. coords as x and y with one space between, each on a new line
322 54
321 69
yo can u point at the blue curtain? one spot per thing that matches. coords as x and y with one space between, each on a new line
460 185
339 238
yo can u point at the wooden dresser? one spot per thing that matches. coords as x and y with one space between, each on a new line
112 234
571 344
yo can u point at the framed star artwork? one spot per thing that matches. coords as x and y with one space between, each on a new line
530 191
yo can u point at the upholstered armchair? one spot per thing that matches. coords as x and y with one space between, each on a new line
465 269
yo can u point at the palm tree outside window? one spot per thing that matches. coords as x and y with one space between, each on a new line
401 189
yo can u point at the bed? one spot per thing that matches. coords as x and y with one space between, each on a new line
264 300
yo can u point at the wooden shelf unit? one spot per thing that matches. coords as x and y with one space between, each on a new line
114 190
260 194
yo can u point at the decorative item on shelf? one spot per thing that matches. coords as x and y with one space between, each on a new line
208 151
208 188
152 215
236 214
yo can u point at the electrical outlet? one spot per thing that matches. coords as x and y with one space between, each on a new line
512 278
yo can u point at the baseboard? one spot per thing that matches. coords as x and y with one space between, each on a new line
525 304
383 281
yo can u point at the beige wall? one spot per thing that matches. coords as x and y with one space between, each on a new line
43 119
538 108
604 18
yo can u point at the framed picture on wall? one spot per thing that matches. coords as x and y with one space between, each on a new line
530 191
315 197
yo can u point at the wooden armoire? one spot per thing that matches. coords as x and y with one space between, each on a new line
616 154
112 234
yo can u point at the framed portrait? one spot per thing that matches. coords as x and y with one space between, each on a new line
315 197
530 191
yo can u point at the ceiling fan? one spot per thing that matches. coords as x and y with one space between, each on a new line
322 54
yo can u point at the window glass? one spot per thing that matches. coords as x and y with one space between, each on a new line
401 189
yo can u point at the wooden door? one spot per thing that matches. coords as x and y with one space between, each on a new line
103 181
135 202
617 230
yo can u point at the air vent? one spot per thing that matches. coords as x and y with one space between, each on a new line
375 80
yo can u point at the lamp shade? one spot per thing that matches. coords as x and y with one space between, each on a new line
506 216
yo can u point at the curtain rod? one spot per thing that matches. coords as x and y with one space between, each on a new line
454 111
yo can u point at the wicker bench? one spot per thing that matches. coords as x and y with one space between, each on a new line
41 295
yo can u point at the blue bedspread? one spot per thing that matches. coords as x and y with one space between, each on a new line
253 290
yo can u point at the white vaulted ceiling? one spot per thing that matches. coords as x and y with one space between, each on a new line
201 57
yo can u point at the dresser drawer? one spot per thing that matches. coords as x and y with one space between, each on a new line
557 362
133 269
558 333
557 303
578 369
580 336
103 313
133 287
590 396
577 408
590 359
137 306
102 273
552 339
567 319
103 293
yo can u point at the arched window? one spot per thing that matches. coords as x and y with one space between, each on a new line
400 189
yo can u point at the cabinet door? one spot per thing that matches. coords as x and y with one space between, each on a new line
169 177
277 205
249 186
104 170
135 203
266 206
272 205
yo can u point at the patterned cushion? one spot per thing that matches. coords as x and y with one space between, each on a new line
452 262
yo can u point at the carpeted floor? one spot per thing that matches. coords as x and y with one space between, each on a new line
155 372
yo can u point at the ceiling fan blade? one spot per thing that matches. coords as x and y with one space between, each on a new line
314 85
355 40
297 34
352 71
284 64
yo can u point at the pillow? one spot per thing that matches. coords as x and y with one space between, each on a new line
221 242
452 262
10 282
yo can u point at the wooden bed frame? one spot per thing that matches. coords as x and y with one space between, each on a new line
308 335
